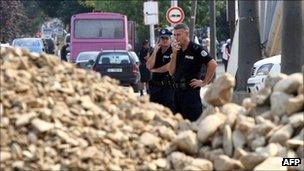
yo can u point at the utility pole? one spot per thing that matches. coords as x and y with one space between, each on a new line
192 19
174 3
291 39
212 29
231 18
249 41
151 18
152 36
302 10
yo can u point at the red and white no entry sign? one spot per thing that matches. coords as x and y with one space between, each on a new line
175 15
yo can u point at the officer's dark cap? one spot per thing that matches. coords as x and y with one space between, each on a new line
165 33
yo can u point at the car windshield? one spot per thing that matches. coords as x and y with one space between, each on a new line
114 58
26 42
86 56
33 45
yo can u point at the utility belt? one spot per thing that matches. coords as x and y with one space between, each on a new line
184 85
164 83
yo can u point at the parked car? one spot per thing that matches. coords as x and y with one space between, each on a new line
260 71
119 64
135 57
5 45
86 59
32 44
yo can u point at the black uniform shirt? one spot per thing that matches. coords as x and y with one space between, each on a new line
189 63
161 60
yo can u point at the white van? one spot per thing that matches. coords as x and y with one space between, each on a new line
260 71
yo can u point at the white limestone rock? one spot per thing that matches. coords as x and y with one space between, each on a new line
279 101
271 163
290 84
221 90
209 125
187 142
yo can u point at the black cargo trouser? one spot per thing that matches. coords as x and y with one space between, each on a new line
187 101
163 95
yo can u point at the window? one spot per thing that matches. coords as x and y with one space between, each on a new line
86 56
105 29
114 58
26 42
33 45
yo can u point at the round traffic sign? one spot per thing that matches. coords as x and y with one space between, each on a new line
175 15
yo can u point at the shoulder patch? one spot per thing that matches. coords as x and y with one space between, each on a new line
204 53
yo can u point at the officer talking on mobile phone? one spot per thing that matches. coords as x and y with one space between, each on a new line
161 83
185 66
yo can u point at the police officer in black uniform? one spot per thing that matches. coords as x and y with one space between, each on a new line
161 84
187 62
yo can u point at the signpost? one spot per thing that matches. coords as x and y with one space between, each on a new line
151 18
175 15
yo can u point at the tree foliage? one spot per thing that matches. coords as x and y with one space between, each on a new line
13 18
134 11
36 16
63 9
25 17
19 17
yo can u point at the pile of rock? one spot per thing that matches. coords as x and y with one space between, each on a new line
57 117
254 136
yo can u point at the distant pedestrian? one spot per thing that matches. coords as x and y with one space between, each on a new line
161 83
226 53
187 62
64 51
145 74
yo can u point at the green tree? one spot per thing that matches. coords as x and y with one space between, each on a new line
20 18
12 19
74 7
133 9
36 17
63 9
222 25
